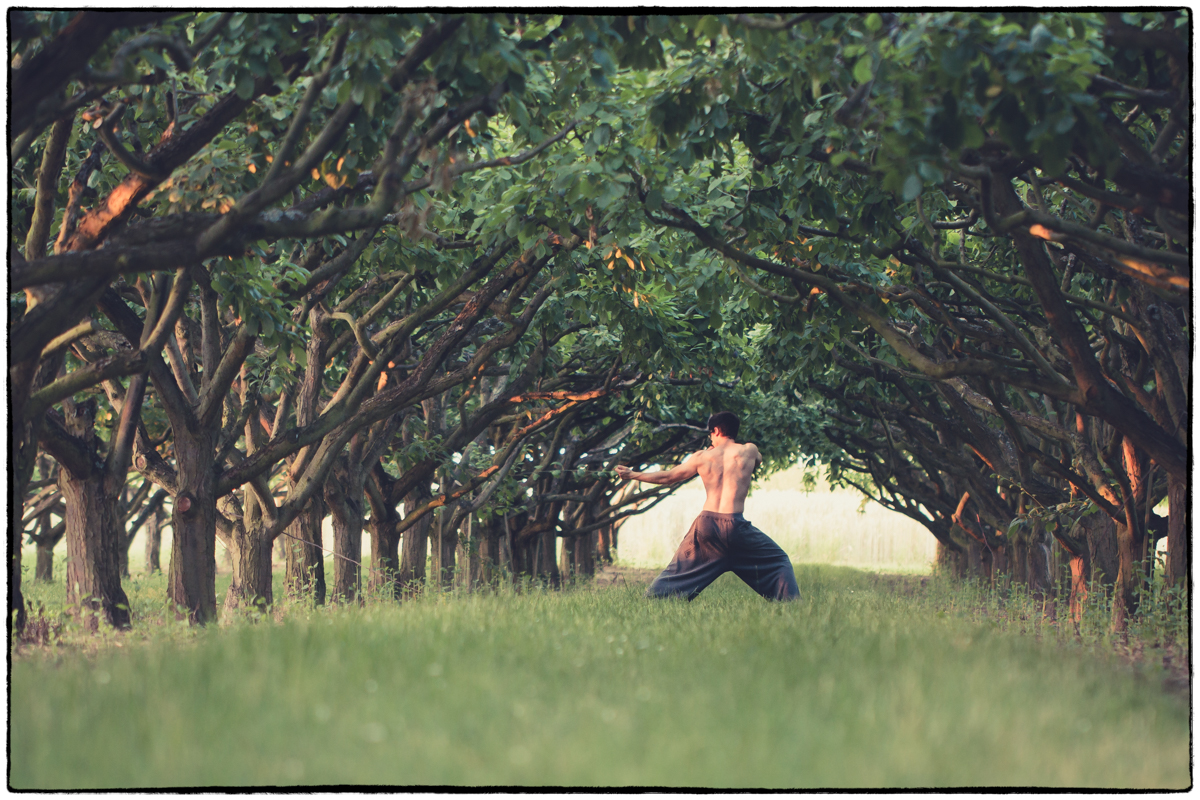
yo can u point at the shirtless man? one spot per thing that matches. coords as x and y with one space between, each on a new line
721 540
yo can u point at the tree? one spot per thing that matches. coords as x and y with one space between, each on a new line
342 80
871 179
463 263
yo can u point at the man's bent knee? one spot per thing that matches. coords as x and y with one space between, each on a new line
786 590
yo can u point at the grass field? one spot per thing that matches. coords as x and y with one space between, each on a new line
858 685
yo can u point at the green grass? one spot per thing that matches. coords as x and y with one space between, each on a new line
856 686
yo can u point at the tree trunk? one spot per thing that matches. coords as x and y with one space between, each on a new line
1177 543
506 549
522 558
191 581
566 558
305 564
385 551
153 542
1040 581
345 501
46 542
125 496
464 578
467 556
250 555
975 559
44 570
16 600
446 549
587 558
950 563
1131 536
23 379
20 469
1020 560
605 546
547 564
1101 534
519 550
123 553
579 550
1128 576
1096 559
1080 575
488 537
414 553
93 564
1001 565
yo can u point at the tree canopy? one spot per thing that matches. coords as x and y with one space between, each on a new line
287 265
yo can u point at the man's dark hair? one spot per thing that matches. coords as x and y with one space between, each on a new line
727 421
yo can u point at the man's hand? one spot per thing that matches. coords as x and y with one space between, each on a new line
624 473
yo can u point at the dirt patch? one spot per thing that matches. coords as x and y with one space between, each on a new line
903 585
614 575
1172 655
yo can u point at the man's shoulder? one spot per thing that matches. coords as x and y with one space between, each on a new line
749 447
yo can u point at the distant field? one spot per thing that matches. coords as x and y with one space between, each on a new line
856 686
820 527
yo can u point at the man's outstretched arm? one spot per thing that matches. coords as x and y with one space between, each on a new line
667 477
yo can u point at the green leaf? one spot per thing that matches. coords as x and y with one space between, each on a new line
973 135
708 26
929 172
605 61
245 85
155 58
1040 37
873 22
912 187
862 70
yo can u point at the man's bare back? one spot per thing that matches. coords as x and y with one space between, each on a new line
725 468
721 539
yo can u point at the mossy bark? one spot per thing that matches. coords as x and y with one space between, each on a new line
344 497
414 551
444 551
304 563
1177 539
153 542
385 551
250 556
191 577
93 566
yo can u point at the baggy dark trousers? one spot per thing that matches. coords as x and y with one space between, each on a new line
720 543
